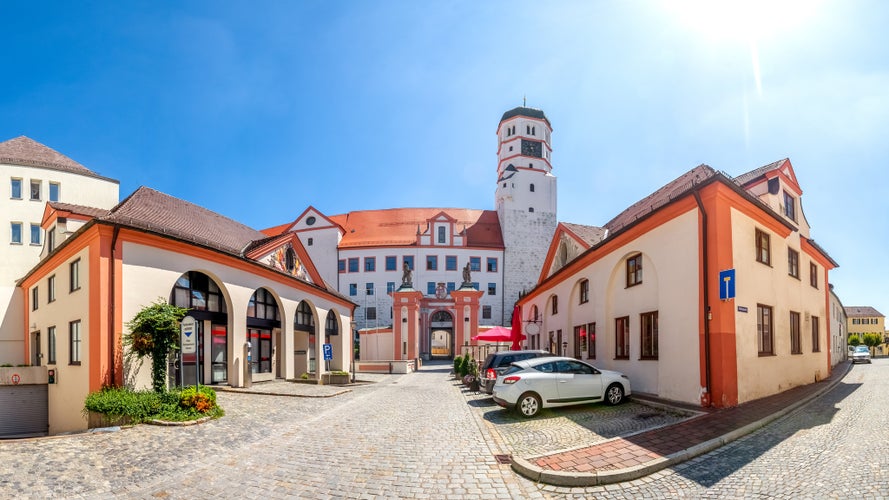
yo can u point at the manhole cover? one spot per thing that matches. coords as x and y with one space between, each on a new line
503 459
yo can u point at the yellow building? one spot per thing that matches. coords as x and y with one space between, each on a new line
866 319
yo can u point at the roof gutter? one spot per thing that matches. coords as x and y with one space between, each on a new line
705 391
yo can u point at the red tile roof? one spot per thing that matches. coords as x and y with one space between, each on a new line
30 153
862 312
398 226
589 234
161 213
91 212
676 188
744 179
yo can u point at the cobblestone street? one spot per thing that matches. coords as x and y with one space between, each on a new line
424 436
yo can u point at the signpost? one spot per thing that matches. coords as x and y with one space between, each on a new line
328 354
188 343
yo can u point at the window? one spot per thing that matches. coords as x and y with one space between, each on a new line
353 264
35 190
409 260
35 234
441 234
368 289
531 210
51 288
263 305
370 264
54 191
331 327
793 263
649 331
51 344
580 339
35 298
475 285
795 347
451 286
763 253
816 340
532 185
634 270
451 263
555 304
391 263
15 233
341 265
492 288
390 286
432 263
15 189
74 342
310 241
584 291
370 313
765 331
51 238
789 206
486 312
353 289
195 290
305 320
475 264
492 264
591 342
622 338
813 274
430 288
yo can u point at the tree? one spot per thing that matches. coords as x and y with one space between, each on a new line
872 340
154 332
854 340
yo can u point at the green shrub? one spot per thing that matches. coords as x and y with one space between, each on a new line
339 372
458 360
304 376
176 405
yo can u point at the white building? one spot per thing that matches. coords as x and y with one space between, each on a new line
364 254
35 174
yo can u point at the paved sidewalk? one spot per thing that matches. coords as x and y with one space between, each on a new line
632 457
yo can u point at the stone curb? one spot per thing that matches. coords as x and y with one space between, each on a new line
167 423
578 479
284 394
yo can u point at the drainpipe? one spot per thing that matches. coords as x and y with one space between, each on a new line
111 346
705 398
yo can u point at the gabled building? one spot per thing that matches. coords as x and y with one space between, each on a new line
861 320
709 291
261 308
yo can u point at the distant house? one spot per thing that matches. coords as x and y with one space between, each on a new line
865 319
838 329
709 291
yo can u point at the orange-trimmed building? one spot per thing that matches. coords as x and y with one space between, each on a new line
708 291
260 305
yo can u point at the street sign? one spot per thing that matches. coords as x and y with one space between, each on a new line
328 352
727 284
189 338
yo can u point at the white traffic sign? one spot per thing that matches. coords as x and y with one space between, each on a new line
189 337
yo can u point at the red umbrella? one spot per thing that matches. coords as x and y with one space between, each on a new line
517 336
496 334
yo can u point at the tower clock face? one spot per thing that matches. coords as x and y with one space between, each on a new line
532 148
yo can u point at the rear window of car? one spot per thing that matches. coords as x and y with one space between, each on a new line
512 369
506 361
549 367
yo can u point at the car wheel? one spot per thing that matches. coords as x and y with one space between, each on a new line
528 404
614 394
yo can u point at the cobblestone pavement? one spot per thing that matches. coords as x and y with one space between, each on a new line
834 447
423 436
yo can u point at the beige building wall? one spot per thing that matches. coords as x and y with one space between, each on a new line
757 283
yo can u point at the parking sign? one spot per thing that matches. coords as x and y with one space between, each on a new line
328 352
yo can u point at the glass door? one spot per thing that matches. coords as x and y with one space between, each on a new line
219 354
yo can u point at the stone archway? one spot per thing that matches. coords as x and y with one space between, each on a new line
441 335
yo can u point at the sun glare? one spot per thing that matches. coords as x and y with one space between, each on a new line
748 20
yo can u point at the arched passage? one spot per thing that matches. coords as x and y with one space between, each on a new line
304 339
206 303
441 335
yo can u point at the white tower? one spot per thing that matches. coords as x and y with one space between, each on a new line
525 198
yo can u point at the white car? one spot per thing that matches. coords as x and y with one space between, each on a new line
537 383
861 354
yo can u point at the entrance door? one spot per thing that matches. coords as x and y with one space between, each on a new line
219 354
35 349
193 363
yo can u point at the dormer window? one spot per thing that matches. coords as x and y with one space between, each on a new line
532 188
789 206
441 234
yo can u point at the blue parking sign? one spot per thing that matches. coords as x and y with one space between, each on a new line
328 352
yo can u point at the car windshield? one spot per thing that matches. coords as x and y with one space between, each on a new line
861 348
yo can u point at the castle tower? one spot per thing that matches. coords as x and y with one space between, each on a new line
525 198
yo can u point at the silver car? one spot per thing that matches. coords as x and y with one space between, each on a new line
861 354
537 383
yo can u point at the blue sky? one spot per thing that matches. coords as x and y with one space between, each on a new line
259 109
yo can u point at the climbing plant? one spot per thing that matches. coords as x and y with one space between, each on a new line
154 332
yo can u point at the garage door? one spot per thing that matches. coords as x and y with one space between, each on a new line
23 411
